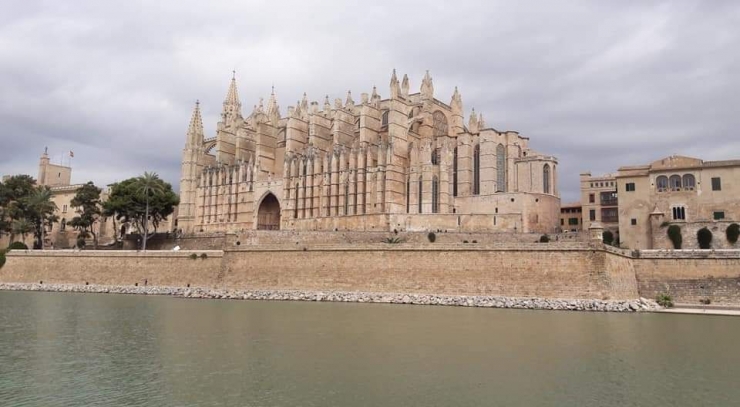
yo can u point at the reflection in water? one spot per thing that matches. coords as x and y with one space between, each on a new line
113 350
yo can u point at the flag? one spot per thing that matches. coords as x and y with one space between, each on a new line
71 153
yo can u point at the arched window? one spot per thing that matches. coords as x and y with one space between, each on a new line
454 172
435 156
675 182
689 182
420 192
346 198
476 169
384 118
408 194
661 183
63 225
440 124
546 179
501 168
435 195
295 210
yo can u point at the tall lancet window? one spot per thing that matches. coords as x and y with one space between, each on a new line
408 194
435 195
476 169
346 198
501 168
454 172
546 179
420 193
295 210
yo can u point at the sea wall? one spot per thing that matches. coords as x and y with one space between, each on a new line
561 270
689 276
163 268
566 270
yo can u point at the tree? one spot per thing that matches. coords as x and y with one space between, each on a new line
704 237
40 212
87 202
22 227
12 192
142 201
674 233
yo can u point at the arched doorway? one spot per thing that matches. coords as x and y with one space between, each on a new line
268 215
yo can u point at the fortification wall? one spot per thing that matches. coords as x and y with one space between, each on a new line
689 276
563 270
111 267
525 270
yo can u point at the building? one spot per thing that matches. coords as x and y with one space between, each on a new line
677 190
405 162
571 217
599 202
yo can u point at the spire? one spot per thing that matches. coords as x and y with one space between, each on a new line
349 103
473 122
374 97
195 130
395 89
272 106
456 103
427 87
405 86
327 105
232 105
481 122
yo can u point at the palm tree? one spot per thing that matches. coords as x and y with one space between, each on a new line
149 184
41 208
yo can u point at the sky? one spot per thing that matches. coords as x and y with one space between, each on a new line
598 84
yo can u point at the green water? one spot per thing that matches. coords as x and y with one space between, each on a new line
115 350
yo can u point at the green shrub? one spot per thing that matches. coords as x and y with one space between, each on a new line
193 256
465 241
2 258
704 237
665 223
544 239
607 237
664 300
432 237
392 240
705 301
674 233
17 246
203 256
81 242
733 231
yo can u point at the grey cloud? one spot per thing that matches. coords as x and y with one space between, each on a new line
598 84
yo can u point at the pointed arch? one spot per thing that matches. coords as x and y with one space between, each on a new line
439 124
268 213
454 171
546 178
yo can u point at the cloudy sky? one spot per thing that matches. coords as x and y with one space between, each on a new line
598 84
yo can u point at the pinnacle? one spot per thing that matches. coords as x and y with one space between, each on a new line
196 121
232 96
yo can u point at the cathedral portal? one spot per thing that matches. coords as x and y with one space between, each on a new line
268 216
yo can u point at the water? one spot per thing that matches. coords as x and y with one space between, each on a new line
115 350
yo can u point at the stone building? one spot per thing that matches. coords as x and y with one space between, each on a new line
599 202
58 178
406 162
685 191
571 217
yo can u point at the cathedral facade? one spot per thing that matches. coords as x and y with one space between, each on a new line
407 162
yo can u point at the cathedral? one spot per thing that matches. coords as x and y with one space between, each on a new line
404 162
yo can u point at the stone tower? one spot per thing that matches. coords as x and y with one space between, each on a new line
191 168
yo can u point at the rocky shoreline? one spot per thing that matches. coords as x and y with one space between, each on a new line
361 297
